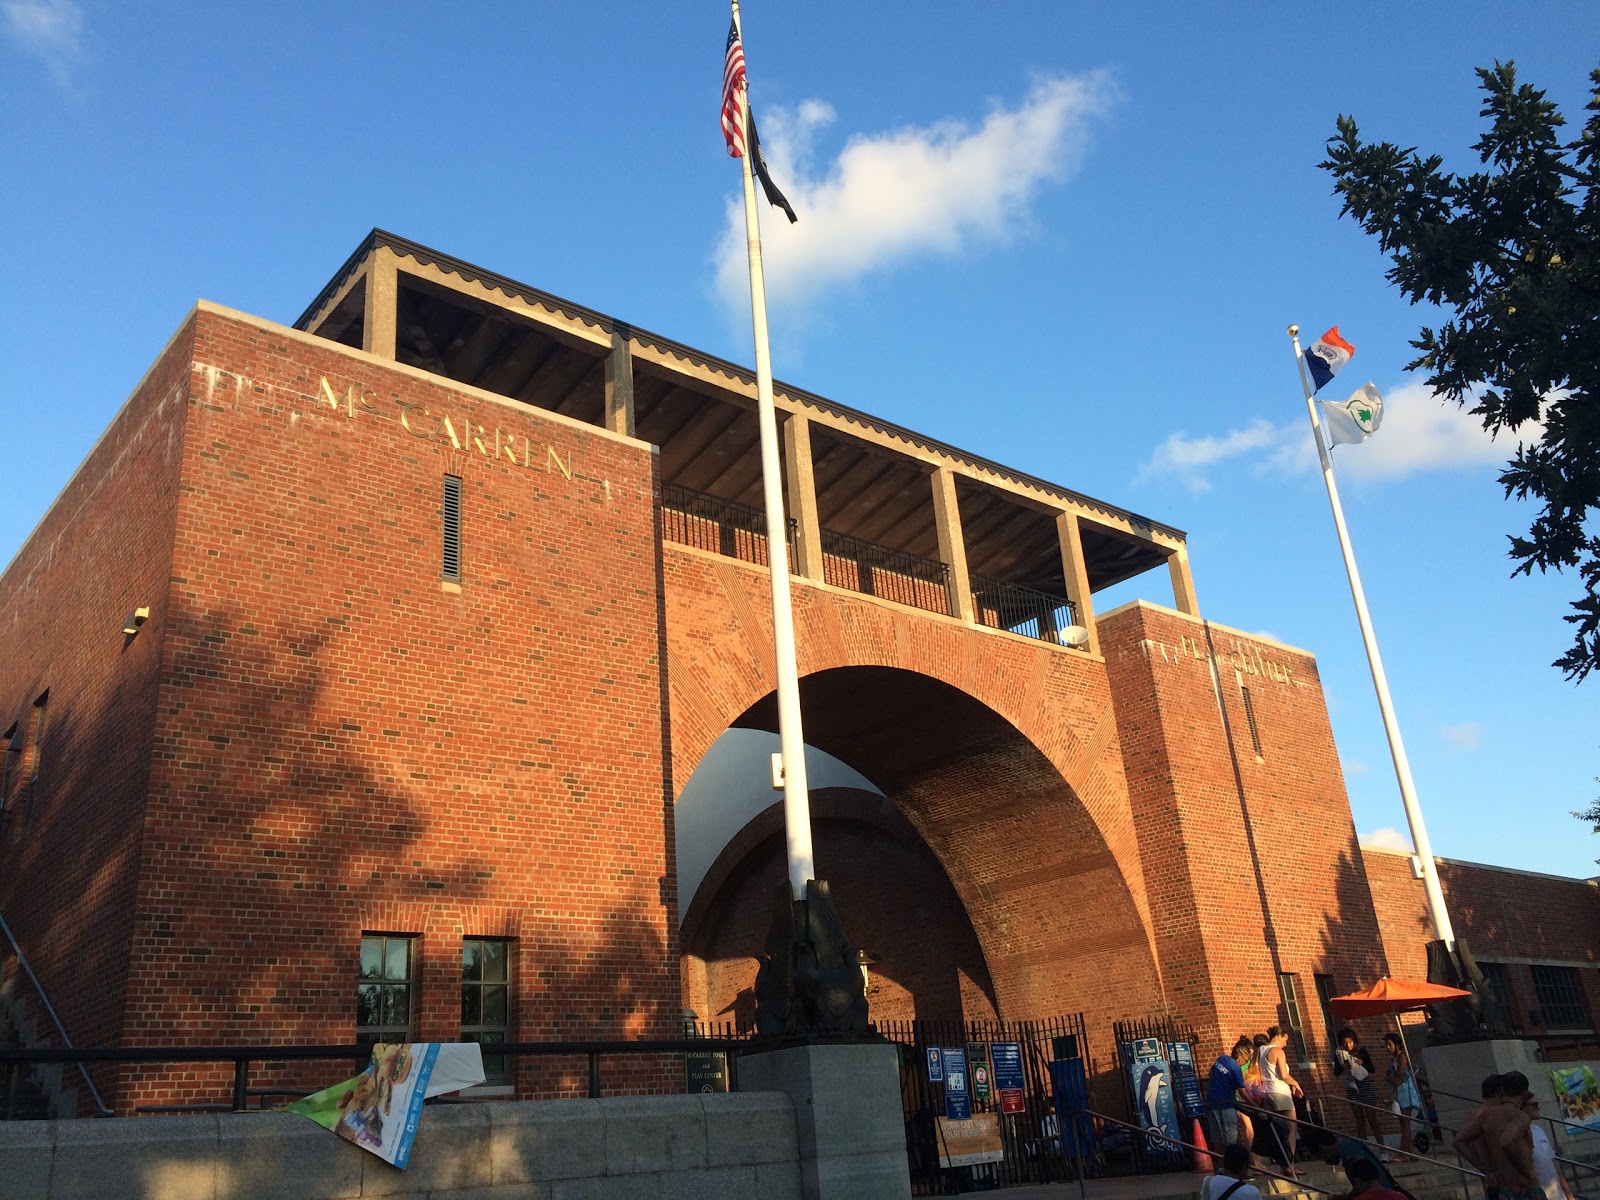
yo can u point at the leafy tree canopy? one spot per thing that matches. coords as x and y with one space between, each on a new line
1512 254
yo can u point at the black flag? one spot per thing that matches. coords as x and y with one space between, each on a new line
759 163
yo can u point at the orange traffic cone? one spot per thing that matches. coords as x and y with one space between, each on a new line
1202 1152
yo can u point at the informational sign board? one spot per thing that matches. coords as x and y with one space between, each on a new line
970 1142
1184 1080
978 1064
705 1071
1150 1078
957 1096
1008 1081
1579 1097
935 1064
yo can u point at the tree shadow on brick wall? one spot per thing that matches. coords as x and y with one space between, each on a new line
291 811
1352 955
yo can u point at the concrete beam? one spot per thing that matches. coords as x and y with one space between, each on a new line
619 385
1183 598
801 481
1076 575
382 304
952 547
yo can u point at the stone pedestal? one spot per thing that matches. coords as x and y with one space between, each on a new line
847 1107
1461 1067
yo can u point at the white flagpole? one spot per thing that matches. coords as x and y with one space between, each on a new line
796 800
1380 681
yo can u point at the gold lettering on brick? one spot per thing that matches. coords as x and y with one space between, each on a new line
406 410
551 456
477 438
450 429
508 443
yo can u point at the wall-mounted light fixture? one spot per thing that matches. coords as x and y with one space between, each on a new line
135 619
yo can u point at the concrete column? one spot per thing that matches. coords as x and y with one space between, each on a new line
1076 574
801 485
1182 582
382 301
952 547
619 384
847 1110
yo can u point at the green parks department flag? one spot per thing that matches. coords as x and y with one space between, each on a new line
1355 420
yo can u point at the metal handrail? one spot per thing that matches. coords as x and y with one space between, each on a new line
1300 1184
1378 1146
1015 608
242 1056
22 961
1553 1121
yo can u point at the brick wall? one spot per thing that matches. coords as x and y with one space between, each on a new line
69 852
344 745
1250 857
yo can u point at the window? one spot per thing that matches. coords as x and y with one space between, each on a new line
385 991
451 565
30 793
486 1000
1560 997
1250 720
1289 993
8 771
1325 994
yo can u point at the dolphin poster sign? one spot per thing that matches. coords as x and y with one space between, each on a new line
1150 1078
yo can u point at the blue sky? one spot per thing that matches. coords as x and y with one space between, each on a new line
1066 236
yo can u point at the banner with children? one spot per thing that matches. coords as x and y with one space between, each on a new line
1580 1099
379 1109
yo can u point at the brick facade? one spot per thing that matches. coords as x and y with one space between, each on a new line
316 736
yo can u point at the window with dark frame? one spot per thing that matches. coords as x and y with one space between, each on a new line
1560 994
486 1000
35 755
1325 994
451 564
386 988
1250 720
8 772
1289 993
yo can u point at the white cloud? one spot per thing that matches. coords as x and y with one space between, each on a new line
1387 838
51 29
1420 432
894 196
1466 736
1356 767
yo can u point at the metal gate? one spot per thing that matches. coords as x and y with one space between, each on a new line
1032 1147
1152 1154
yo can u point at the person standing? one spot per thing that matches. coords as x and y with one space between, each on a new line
1222 1090
1351 1060
1403 1087
1551 1181
1281 1088
1498 1140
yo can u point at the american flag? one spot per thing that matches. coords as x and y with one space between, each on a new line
732 81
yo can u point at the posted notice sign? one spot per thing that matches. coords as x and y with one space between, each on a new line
957 1088
935 1064
978 1064
969 1142
1008 1081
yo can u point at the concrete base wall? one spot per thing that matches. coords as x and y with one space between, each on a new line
661 1147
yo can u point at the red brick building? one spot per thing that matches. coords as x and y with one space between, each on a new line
350 685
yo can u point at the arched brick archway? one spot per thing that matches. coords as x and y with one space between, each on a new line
1001 752
893 896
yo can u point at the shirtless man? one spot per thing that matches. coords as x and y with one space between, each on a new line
1498 1140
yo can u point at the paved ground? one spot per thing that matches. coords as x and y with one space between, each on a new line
1153 1187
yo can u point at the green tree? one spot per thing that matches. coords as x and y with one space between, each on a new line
1512 254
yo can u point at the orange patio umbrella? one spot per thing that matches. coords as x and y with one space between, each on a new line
1393 996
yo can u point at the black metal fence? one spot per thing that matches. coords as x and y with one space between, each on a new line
1152 1154
1032 1147
1018 609
874 570
725 527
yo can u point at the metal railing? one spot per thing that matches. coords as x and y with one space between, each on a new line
61 1031
1577 1163
1076 1152
873 570
1018 609
241 1057
725 527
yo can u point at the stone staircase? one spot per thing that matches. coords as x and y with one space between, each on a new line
1425 1180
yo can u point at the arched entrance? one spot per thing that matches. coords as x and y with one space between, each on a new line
980 878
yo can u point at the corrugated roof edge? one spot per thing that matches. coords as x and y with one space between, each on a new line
474 274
